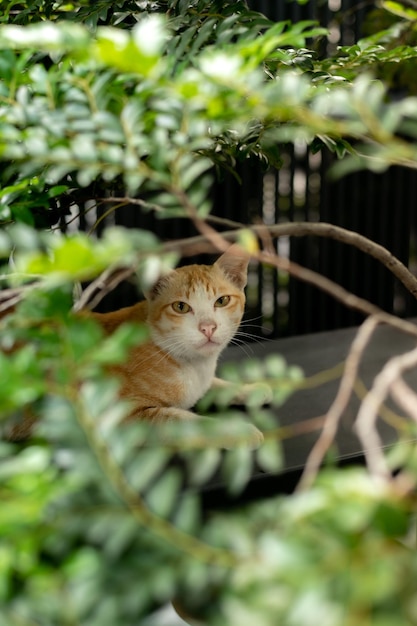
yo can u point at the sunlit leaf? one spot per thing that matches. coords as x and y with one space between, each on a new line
401 9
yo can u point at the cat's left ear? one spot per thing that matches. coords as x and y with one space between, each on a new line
234 263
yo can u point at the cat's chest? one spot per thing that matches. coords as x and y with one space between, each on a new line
196 379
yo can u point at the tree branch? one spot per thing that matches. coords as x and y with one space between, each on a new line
290 229
365 424
302 229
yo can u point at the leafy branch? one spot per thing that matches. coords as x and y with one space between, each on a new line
110 104
154 523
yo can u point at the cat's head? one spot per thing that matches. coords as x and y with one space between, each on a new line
194 311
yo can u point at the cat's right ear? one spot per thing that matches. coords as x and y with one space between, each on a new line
158 286
153 275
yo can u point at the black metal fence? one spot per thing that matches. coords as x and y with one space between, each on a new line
381 207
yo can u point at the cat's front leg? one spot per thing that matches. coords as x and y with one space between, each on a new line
176 427
163 414
240 394
260 393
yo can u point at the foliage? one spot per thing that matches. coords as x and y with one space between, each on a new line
101 523
156 104
85 500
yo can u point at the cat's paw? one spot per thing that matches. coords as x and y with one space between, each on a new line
245 434
255 394
255 437
204 432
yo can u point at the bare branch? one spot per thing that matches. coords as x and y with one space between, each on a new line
291 229
125 200
9 298
302 229
321 282
365 425
104 284
10 302
218 241
405 397
340 403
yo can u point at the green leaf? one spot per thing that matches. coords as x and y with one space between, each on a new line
295 374
392 520
163 495
5 213
146 466
202 465
57 190
33 460
44 36
275 366
398 8
120 536
76 256
114 348
5 244
230 372
203 34
187 516
192 170
139 53
252 370
269 456
237 469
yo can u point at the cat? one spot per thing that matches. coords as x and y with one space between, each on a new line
192 313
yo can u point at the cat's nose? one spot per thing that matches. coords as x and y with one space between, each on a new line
207 328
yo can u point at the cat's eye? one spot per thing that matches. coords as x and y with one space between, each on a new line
181 307
222 301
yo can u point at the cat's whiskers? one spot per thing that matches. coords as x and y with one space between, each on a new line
243 339
246 324
246 349
251 319
173 346
252 336
163 356
151 359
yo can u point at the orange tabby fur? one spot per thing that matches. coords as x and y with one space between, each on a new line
168 374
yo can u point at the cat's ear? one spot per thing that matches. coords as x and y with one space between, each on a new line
158 286
234 263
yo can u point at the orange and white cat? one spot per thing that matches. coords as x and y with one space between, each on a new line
192 313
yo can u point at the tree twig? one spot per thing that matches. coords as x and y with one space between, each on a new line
320 229
291 229
339 405
405 397
218 241
365 425
104 284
